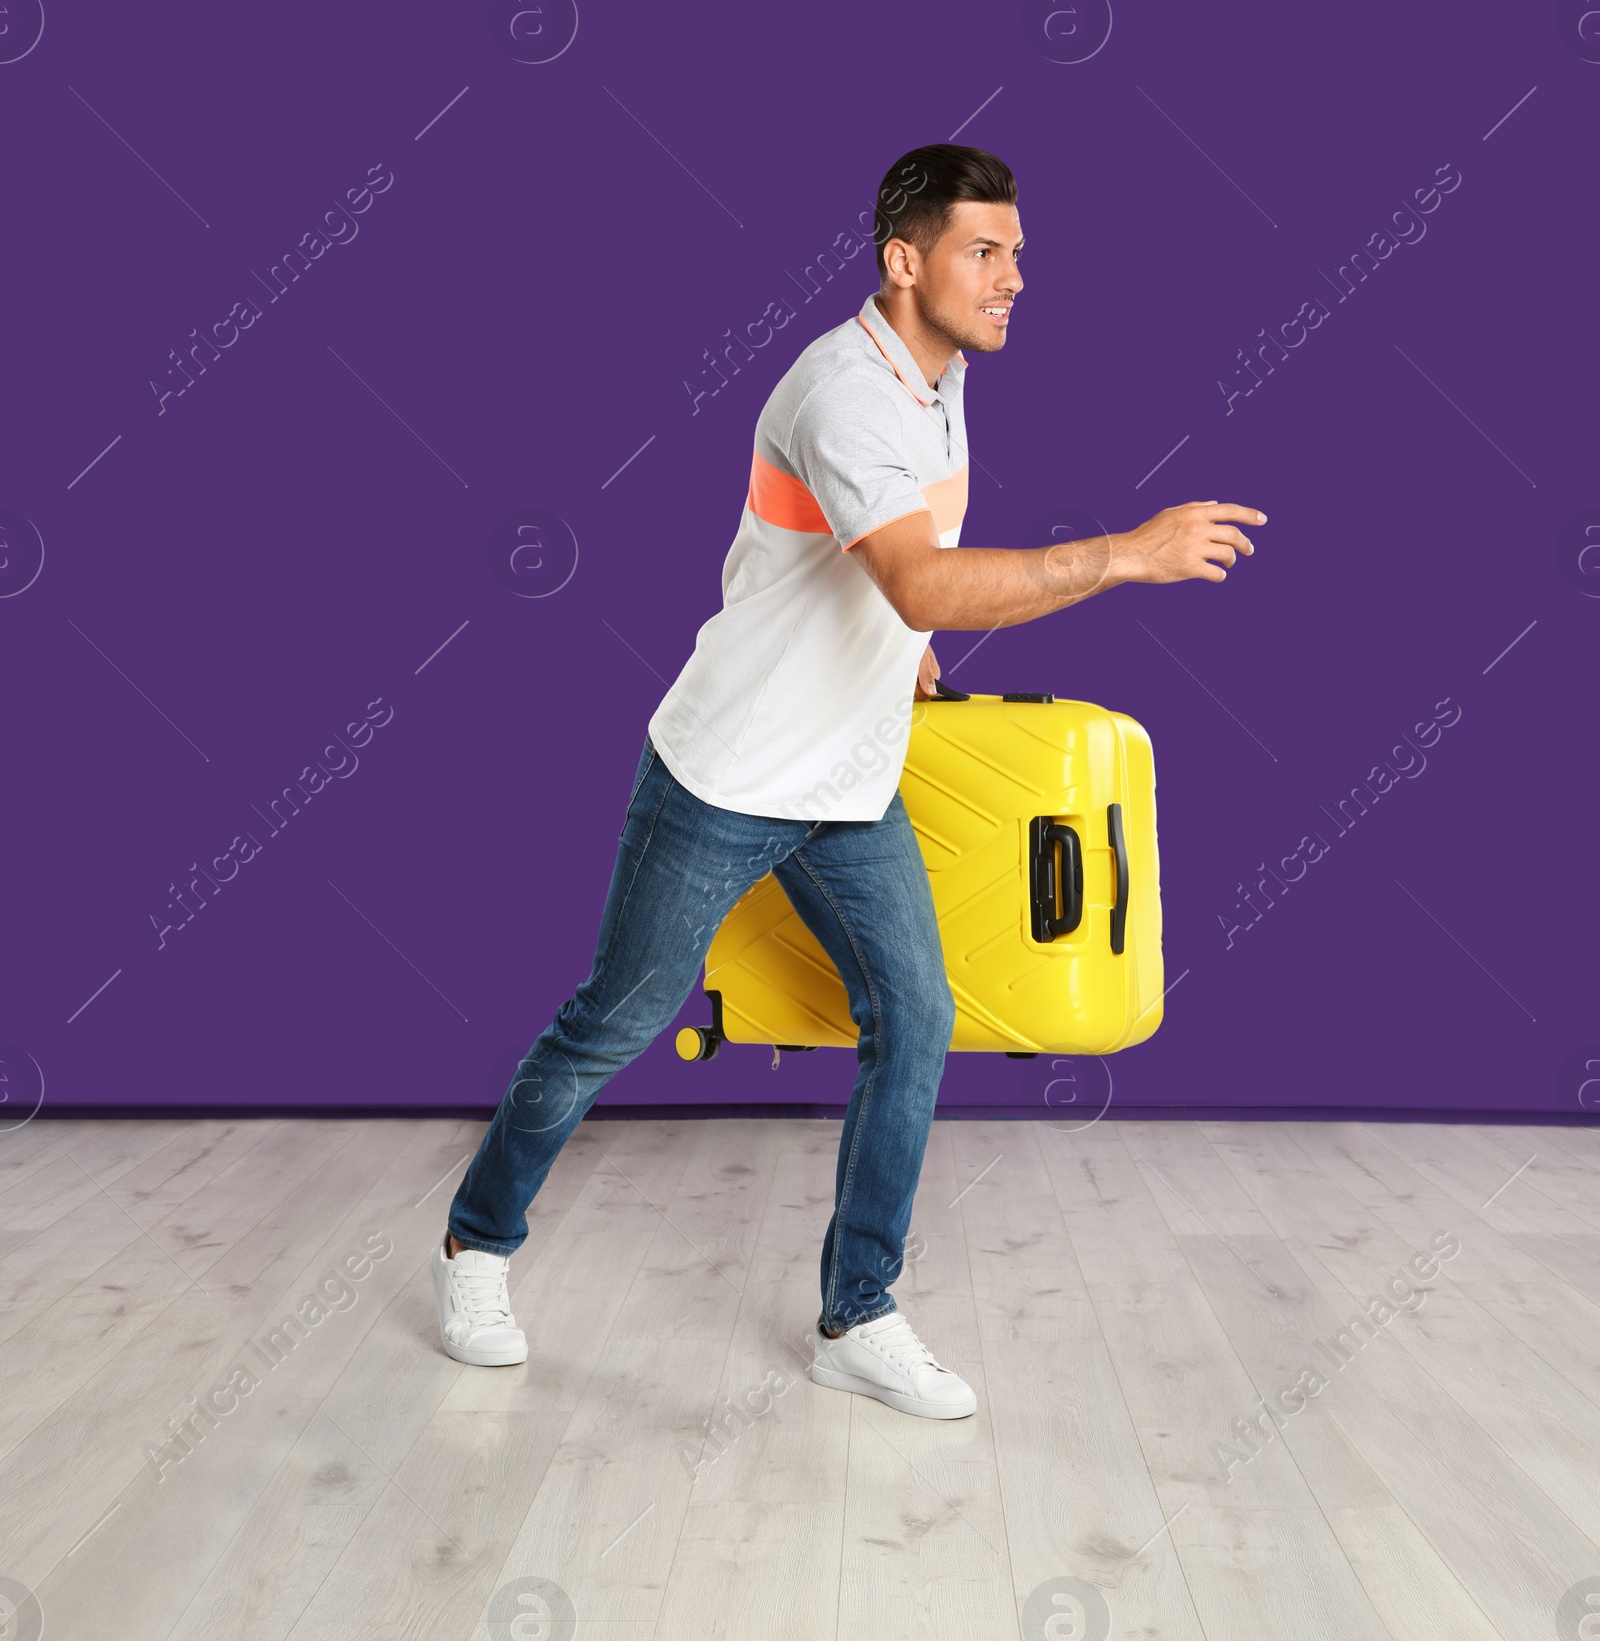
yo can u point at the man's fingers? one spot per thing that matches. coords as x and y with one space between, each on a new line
1220 511
1234 538
927 671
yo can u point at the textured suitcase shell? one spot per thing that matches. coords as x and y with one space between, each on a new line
977 773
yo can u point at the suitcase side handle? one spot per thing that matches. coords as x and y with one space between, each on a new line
1043 836
1119 845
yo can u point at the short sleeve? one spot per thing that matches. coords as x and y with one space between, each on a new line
847 449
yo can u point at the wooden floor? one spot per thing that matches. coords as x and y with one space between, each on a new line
1122 1297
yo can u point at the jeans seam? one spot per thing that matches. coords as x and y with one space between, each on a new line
877 1056
603 961
644 775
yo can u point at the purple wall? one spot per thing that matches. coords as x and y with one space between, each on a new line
233 574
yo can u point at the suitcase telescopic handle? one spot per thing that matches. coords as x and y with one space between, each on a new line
1043 836
1119 845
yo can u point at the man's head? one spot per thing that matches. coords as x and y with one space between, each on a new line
948 234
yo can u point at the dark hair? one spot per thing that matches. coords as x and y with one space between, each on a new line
916 197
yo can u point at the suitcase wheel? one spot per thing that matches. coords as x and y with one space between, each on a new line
697 1043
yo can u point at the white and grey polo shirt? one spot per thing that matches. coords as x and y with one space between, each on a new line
797 698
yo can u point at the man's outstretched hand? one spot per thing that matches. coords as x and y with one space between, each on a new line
1180 543
982 588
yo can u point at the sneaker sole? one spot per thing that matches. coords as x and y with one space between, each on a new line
833 1379
484 1358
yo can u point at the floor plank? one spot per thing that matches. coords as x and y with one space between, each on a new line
1192 1370
760 1544
75 1232
1078 1496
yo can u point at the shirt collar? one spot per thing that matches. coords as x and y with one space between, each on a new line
893 347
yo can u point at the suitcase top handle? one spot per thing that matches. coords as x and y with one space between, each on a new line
943 692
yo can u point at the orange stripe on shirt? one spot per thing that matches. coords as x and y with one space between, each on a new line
948 500
782 499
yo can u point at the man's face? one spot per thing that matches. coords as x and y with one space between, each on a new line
965 287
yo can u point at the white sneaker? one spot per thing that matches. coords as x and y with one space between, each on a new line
885 1359
475 1308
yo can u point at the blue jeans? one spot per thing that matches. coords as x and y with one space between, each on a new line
862 889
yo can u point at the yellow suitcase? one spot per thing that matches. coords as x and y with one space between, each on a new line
1036 819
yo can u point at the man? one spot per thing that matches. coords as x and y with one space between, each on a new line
835 581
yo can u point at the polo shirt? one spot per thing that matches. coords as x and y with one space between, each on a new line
797 699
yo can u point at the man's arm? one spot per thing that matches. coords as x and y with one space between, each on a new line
933 588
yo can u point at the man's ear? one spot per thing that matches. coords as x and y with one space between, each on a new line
900 257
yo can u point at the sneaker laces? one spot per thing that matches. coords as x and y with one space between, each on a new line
901 1345
484 1296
